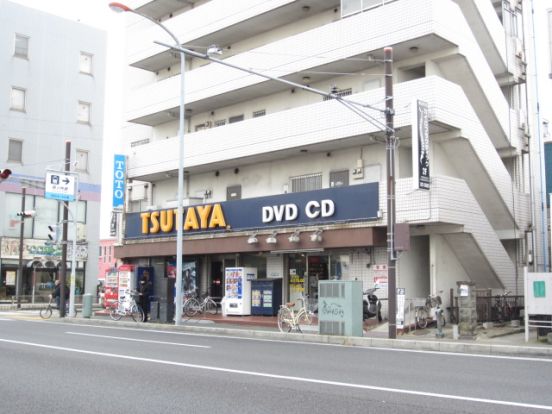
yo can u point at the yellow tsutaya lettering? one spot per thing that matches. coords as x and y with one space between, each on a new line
145 222
167 220
154 222
217 217
191 220
204 214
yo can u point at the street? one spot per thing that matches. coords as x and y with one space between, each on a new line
52 366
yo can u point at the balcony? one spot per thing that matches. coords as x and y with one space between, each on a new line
327 126
211 22
436 28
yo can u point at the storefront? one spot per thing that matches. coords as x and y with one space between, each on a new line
302 238
41 264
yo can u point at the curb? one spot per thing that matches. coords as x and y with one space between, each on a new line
365 342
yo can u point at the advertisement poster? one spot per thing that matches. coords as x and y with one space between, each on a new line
234 283
10 278
401 298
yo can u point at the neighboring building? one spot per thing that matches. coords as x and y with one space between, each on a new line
257 150
107 260
52 81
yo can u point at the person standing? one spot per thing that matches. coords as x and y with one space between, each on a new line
145 292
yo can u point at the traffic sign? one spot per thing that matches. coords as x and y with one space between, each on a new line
60 186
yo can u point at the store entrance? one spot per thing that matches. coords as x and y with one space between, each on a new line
317 269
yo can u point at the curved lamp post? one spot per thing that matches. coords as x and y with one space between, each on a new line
119 8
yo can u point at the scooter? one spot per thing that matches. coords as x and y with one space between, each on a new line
371 305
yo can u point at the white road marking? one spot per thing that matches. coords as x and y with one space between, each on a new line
416 351
287 377
7 319
121 338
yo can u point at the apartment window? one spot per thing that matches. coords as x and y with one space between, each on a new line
220 122
85 63
354 6
306 182
261 112
83 115
233 192
339 178
18 99
15 150
339 92
21 46
237 118
82 160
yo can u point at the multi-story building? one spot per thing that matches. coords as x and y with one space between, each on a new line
52 81
294 183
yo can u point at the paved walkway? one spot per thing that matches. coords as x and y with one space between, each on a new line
493 340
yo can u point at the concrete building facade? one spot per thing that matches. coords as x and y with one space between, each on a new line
293 183
52 81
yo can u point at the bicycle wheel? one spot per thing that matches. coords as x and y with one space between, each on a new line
114 311
191 307
305 317
285 320
421 318
46 313
136 313
211 307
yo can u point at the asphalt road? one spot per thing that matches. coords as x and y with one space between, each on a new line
49 366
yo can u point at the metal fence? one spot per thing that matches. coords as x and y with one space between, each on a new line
491 308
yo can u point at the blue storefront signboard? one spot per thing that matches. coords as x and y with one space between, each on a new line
119 170
338 204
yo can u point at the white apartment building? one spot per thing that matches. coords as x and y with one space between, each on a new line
52 89
265 161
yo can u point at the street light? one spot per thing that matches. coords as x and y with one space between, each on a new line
119 8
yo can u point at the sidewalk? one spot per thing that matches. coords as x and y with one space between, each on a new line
497 340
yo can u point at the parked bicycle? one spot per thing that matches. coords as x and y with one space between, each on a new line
502 307
423 313
290 319
124 307
47 312
193 306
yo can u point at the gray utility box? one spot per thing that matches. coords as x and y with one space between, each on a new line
340 307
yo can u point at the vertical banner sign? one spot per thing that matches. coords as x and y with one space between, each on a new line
420 145
119 169
401 298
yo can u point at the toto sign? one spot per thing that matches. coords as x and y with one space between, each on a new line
119 181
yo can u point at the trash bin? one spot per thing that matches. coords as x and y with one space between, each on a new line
87 305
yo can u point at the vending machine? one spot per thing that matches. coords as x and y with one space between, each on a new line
237 288
126 281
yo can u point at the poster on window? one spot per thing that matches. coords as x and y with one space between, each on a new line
420 145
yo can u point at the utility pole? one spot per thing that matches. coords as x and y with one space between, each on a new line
390 152
19 282
63 268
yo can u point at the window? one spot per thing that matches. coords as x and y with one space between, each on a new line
220 122
21 47
82 160
83 115
233 192
306 182
237 118
339 178
139 142
15 150
18 99
85 63
261 112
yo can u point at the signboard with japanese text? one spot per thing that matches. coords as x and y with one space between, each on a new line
60 186
420 145
119 172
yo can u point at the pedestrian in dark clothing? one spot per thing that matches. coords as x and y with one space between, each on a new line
145 292
56 294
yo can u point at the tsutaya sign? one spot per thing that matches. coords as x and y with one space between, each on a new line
339 204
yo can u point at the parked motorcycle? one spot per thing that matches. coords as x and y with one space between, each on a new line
371 305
